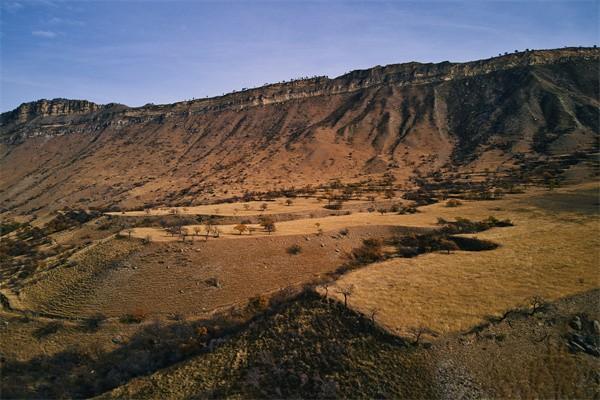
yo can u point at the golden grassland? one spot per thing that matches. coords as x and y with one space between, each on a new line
548 253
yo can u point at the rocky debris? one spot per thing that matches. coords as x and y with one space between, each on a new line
214 282
586 337
456 383
214 343
576 323
117 339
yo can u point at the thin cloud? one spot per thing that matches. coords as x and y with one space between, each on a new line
12 6
65 21
44 34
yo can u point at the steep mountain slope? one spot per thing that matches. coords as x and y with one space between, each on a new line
398 119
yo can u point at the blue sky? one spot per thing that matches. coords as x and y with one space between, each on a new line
135 52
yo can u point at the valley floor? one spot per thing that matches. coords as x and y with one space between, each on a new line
141 291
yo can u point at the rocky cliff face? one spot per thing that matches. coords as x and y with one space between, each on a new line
399 119
47 108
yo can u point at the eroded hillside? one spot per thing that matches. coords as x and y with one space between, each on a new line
399 119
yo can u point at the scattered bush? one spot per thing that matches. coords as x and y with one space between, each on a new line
134 317
453 203
464 225
268 224
294 249
473 244
214 282
370 251
48 329
406 210
241 228
448 245
412 245
258 303
93 323
334 206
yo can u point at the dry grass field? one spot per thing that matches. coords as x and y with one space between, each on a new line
551 252
160 279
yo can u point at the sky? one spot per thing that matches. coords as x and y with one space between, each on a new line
138 52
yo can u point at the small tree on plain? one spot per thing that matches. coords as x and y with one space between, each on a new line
241 228
197 230
183 233
208 225
129 232
268 224
264 206
289 202
448 245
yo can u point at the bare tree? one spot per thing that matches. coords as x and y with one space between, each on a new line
448 245
319 229
207 229
346 291
419 332
129 232
536 303
197 230
372 313
183 233
268 225
326 287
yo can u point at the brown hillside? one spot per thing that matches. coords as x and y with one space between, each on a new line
398 118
